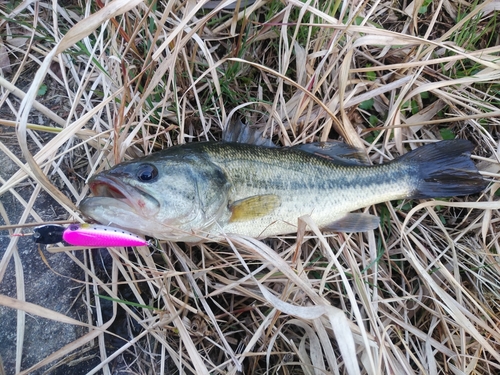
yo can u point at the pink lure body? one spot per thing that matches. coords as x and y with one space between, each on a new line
94 235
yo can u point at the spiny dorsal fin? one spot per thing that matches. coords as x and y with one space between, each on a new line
254 207
240 132
338 152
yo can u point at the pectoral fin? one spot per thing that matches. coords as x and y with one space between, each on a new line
254 207
354 223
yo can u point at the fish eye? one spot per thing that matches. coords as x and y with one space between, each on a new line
147 173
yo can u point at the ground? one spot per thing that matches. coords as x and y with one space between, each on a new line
108 82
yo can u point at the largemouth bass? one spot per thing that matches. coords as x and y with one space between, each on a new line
206 190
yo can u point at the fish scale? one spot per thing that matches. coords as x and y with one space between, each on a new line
324 199
207 190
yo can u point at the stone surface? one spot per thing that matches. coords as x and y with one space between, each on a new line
51 285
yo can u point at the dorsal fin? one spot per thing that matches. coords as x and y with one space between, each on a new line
336 151
242 133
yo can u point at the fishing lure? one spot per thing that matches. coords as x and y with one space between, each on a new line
91 235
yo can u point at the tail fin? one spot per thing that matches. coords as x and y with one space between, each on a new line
445 169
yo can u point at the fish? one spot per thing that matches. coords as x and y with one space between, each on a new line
205 191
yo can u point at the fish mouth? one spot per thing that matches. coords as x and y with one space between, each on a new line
113 187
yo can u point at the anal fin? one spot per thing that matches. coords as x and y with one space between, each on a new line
253 207
354 222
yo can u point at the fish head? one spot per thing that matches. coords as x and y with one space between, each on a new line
164 195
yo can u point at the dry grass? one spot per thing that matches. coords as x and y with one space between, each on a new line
419 295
